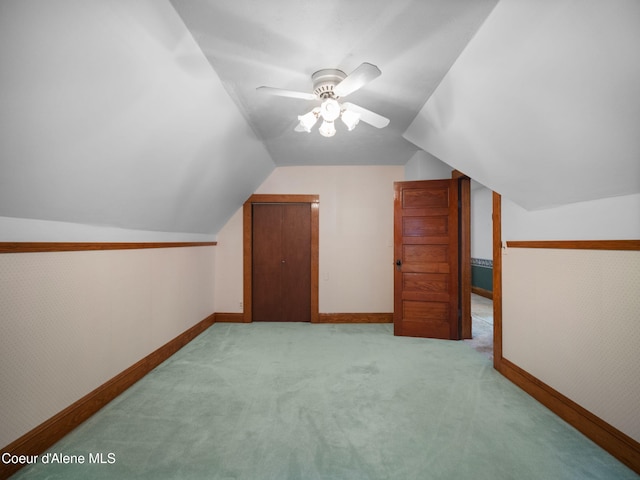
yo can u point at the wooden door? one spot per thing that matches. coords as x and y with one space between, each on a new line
281 259
426 257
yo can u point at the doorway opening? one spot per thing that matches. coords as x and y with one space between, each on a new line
417 206
481 253
482 325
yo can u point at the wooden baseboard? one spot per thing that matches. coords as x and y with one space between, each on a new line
355 318
222 317
618 444
482 292
46 434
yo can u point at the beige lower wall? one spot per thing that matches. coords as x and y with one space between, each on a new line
356 237
73 320
571 318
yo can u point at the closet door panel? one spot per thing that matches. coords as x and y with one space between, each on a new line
296 265
267 268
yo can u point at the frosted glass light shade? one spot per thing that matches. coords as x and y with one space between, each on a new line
327 129
308 120
350 119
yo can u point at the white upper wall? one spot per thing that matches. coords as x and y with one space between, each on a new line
616 218
543 106
424 166
111 116
356 237
28 230
481 222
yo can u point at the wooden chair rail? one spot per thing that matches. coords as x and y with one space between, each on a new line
30 247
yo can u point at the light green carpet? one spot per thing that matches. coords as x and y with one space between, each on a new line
300 401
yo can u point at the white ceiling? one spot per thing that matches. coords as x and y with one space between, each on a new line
282 43
110 116
543 105
144 115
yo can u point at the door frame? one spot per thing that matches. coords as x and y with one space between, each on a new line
464 250
247 241
496 221
465 262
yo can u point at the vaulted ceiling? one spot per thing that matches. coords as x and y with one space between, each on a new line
145 115
543 105
282 43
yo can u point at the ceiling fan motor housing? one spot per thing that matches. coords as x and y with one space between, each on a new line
325 80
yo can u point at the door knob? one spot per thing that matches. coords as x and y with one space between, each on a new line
398 264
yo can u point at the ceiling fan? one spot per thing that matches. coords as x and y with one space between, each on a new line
329 85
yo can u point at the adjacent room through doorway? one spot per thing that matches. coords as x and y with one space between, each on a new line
482 325
481 233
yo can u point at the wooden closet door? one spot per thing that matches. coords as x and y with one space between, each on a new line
281 262
267 256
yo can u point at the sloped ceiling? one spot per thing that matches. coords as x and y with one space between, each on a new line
143 115
281 43
544 104
111 116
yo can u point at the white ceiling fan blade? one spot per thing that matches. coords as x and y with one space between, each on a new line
357 79
287 93
368 116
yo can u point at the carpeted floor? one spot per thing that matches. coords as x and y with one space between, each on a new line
300 401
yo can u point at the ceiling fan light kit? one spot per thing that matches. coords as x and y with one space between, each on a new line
329 85
329 111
